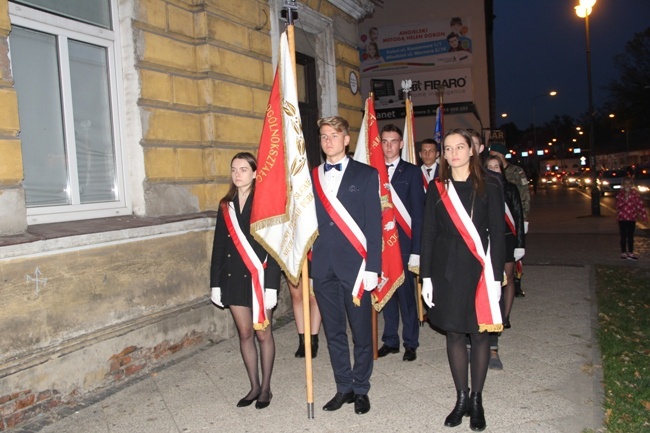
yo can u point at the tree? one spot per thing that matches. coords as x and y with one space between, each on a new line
630 93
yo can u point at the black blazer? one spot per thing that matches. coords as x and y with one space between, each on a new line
359 194
513 200
227 269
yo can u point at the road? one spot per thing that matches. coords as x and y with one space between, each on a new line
559 220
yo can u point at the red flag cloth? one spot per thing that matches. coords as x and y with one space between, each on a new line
283 214
369 152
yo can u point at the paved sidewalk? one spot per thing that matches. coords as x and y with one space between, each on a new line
551 380
547 385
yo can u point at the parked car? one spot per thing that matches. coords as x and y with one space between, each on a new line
571 179
642 180
609 181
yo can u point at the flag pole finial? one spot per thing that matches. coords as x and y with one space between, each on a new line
290 11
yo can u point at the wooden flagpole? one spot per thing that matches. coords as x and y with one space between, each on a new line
304 273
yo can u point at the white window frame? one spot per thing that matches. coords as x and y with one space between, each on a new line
64 29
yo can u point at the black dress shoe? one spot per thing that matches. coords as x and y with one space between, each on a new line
520 294
459 411
361 404
385 350
339 400
409 354
246 402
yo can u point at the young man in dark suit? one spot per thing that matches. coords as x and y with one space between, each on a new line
346 261
407 196
429 155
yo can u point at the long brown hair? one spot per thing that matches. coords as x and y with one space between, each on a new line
475 169
232 191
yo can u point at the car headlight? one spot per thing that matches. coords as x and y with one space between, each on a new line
605 182
642 188
587 180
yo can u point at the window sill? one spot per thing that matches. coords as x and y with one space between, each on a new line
42 238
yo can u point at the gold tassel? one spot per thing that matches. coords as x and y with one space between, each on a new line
496 327
261 326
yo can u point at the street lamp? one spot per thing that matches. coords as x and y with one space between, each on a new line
583 10
551 93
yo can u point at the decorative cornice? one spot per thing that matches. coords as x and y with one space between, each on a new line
357 9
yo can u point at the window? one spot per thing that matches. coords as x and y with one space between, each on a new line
66 78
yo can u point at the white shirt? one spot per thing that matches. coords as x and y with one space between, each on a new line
391 168
333 177
430 174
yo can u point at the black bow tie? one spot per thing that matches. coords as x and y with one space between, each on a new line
329 166
389 165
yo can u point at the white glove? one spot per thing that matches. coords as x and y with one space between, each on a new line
525 227
414 261
370 280
270 298
427 292
215 296
519 253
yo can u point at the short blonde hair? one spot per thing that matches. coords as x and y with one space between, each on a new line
337 122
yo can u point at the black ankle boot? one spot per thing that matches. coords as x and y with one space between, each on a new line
300 353
476 414
314 345
460 410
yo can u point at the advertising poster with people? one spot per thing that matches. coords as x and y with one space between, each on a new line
419 46
431 54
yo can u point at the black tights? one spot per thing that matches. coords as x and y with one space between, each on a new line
244 322
457 355
626 230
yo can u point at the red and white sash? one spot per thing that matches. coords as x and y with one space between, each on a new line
425 178
510 221
347 225
488 291
402 216
253 264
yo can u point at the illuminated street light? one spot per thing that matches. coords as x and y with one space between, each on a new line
583 10
504 115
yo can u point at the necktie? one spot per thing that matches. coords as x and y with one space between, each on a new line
329 166
429 171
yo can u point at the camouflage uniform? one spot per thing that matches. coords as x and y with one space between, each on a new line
516 175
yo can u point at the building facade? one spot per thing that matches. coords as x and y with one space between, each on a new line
118 121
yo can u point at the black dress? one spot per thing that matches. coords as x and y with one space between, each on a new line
445 258
228 270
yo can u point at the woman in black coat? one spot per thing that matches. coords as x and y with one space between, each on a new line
237 262
461 265
515 249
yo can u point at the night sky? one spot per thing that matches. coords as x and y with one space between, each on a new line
540 45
